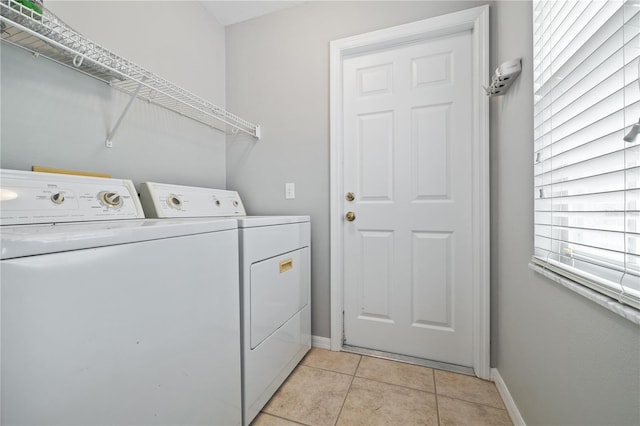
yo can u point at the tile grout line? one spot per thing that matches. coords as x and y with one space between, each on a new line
353 376
395 384
284 418
324 369
474 402
435 392
327 369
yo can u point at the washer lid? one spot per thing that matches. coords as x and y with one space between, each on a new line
29 240
254 221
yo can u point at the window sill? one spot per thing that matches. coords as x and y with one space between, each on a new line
606 302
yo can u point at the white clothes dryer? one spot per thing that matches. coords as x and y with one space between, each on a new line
274 283
109 318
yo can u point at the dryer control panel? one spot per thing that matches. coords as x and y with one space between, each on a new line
35 197
170 201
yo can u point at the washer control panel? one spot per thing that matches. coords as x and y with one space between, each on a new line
166 201
34 197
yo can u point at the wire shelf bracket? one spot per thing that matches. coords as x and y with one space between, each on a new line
109 141
48 36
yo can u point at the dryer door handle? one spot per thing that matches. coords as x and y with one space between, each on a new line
286 265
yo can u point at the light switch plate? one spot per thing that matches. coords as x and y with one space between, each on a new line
289 191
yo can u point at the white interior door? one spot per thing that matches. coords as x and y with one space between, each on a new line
408 149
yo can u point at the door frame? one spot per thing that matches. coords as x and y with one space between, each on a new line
476 20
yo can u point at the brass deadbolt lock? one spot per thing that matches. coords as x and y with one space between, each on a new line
350 216
350 196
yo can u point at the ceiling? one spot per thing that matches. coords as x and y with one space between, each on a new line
231 12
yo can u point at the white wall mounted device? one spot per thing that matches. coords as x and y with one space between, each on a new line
503 77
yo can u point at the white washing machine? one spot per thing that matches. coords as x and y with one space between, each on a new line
275 283
110 319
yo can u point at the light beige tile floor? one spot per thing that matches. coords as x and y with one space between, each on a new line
339 388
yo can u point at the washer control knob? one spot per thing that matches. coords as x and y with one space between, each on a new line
110 199
174 202
218 203
235 203
57 198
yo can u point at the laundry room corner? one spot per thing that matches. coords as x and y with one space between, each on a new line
53 117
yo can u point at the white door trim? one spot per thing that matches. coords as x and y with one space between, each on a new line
476 20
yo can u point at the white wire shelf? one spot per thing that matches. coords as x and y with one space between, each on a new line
50 37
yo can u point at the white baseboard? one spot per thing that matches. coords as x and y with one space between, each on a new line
321 342
512 409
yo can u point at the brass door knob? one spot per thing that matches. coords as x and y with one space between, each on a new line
350 216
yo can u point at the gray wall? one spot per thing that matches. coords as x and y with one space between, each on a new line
278 74
52 116
565 359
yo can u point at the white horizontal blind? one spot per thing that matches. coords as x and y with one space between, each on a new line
586 177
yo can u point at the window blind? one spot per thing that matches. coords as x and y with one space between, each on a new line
586 176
